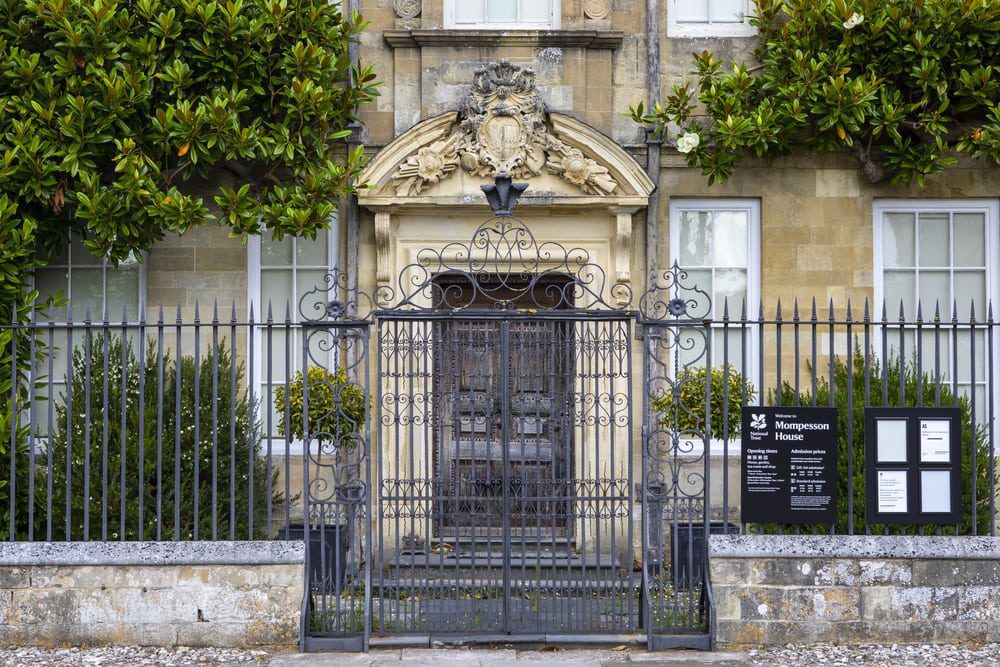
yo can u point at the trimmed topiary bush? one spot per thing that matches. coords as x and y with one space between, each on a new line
686 413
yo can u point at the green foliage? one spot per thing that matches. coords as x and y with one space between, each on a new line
337 408
971 439
685 411
108 108
902 84
233 456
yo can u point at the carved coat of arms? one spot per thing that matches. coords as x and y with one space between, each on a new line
502 129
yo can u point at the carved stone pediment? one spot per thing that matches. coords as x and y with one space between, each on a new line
502 127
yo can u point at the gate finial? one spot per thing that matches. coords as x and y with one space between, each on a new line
503 194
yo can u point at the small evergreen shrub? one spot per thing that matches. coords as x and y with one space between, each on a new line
686 413
972 438
231 463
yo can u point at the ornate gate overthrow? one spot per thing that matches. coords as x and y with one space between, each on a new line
502 500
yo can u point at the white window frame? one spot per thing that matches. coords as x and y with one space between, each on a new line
553 23
991 209
706 29
752 207
259 388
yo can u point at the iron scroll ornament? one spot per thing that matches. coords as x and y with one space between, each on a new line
504 267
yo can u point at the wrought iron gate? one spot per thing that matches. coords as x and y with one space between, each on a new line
505 475
677 338
504 499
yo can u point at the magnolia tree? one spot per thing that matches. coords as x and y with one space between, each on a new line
112 110
109 109
903 85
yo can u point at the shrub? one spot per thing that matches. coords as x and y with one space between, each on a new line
971 438
337 409
235 453
687 414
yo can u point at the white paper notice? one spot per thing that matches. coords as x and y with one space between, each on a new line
891 438
892 491
935 491
935 440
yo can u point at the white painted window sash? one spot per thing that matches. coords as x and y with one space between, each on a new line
708 28
552 23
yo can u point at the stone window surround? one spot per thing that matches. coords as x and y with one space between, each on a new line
694 30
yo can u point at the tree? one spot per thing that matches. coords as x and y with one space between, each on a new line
109 108
903 85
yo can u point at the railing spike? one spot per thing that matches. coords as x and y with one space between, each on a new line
215 310
848 310
867 317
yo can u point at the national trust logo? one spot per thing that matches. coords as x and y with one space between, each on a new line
758 421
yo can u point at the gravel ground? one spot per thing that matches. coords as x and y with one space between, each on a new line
903 655
896 655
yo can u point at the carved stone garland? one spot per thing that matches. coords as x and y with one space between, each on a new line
502 129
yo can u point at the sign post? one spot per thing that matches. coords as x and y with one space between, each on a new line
789 465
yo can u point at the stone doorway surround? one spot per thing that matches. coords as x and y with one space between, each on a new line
583 188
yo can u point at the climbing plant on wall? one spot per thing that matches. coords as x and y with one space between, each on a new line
904 86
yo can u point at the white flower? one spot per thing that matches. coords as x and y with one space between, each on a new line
687 142
855 20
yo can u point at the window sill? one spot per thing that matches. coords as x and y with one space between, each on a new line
587 39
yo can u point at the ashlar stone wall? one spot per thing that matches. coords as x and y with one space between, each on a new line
226 594
773 589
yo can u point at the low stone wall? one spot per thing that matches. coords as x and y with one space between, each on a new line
773 589
155 593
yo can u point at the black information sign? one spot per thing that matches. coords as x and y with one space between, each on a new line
913 465
789 465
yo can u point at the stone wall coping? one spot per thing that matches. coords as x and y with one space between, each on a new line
263 552
853 546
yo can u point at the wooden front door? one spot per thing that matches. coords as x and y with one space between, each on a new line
504 407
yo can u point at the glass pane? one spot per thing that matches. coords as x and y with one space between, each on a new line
699 280
933 360
695 238
730 238
80 255
965 364
314 305
276 292
727 11
731 353
934 288
730 284
85 290
312 252
692 11
275 253
501 11
900 285
935 246
897 240
276 354
50 282
122 291
969 232
536 11
469 11
970 290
